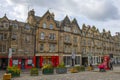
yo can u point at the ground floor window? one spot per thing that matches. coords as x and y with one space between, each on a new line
47 60
30 62
77 60
96 60
68 60
15 62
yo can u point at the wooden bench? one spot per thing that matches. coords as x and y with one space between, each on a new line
7 76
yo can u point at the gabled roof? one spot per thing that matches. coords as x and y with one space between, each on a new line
65 21
4 18
75 22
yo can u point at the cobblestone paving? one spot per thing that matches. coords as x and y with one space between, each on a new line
87 75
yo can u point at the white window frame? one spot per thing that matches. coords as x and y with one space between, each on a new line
44 25
6 25
51 26
42 35
52 36
52 47
70 61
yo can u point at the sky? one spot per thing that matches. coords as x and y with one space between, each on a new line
104 14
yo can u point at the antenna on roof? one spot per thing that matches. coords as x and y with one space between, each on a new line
28 7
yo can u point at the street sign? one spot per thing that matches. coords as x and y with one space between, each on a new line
10 53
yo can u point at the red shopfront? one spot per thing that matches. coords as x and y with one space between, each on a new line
23 62
41 60
3 62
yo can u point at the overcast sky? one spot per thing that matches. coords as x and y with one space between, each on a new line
104 14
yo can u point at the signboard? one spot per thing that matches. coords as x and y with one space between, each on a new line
10 53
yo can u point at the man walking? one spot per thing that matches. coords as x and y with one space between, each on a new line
111 64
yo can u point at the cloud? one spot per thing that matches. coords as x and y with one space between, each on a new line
100 10
101 13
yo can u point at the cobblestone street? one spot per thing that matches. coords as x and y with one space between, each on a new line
87 75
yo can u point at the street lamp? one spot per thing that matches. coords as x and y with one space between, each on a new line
73 58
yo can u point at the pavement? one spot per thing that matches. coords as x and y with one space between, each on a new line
86 75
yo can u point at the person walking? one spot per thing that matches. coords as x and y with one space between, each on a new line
111 64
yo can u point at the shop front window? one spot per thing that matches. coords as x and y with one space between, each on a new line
29 62
15 62
77 60
67 60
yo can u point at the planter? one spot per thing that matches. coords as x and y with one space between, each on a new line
15 71
90 68
74 70
34 72
7 76
61 70
14 74
48 71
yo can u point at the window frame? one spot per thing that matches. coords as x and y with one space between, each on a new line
51 26
42 35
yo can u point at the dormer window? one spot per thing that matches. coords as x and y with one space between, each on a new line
6 25
44 25
51 26
48 18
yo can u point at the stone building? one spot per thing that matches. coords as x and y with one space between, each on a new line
42 40
17 37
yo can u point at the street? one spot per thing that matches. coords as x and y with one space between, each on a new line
87 75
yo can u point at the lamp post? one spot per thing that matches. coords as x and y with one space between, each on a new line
9 57
73 58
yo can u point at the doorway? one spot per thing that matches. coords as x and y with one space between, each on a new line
85 61
38 62
23 64
3 63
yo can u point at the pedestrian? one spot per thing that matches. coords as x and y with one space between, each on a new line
111 64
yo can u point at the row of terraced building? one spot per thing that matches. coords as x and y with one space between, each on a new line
43 40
